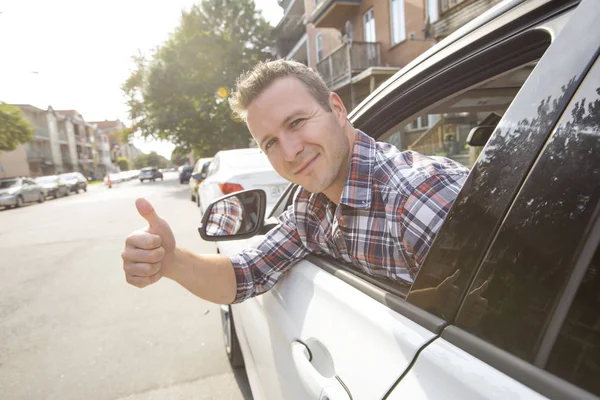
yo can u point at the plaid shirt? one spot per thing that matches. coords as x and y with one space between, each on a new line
392 205
225 217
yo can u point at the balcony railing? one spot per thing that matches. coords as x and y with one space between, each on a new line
348 59
34 155
42 133
62 135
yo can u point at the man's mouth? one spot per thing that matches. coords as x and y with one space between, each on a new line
304 168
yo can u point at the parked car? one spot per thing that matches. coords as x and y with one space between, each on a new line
54 186
185 173
514 269
15 192
75 181
150 174
200 170
234 170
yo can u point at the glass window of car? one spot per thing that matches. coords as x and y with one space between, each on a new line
214 166
8 183
526 271
442 129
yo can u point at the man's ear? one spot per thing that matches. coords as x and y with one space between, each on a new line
338 108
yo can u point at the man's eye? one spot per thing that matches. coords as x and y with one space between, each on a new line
269 144
297 122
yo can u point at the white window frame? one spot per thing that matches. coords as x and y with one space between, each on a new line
319 46
369 26
397 21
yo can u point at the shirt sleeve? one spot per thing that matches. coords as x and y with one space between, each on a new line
259 268
422 214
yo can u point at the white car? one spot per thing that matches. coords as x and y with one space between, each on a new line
522 318
234 170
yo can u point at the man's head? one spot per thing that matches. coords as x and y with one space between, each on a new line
300 125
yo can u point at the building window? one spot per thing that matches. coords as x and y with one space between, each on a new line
397 21
448 4
369 21
319 46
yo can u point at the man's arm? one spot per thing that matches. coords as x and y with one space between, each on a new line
208 276
152 253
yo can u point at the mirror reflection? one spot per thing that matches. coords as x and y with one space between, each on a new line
235 215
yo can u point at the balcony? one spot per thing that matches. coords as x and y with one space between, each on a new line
62 136
291 28
334 13
338 68
43 156
42 133
455 14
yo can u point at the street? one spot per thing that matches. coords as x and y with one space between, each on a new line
72 328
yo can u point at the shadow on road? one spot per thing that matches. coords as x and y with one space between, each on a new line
242 380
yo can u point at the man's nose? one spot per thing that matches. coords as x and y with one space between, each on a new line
292 146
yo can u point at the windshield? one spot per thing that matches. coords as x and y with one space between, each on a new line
45 179
68 176
7 184
188 169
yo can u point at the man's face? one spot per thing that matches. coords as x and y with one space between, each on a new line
305 143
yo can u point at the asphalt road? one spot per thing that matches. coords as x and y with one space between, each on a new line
72 328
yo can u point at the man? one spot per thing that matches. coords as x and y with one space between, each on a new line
226 217
360 201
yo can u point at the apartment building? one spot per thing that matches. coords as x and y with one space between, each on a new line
116 147
446 16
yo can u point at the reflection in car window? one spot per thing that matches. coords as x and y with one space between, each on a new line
532 257
443 129
576 353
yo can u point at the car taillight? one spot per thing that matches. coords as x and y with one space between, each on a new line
227 187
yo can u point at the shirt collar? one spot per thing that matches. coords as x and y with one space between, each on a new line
358 187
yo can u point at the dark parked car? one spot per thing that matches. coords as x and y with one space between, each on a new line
14 192
185 174
53 185
75 181
506 304
150 174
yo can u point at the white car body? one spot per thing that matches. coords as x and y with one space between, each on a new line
366 339
248 168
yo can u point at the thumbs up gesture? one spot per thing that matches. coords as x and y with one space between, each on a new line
149 253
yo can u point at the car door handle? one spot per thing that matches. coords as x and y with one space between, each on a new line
320 387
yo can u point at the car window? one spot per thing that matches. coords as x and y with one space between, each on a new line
214 166
7 184
575 356
442 129
525 272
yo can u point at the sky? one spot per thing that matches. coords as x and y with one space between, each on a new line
75 54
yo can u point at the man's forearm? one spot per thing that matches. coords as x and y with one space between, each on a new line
208 276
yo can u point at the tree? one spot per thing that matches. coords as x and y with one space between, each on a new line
180 92
123 163
14 128
179 156
151 160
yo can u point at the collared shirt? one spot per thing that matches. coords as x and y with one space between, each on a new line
392 205
225 217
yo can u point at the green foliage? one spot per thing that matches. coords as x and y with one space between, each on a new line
14 128
179 93
150 160
123 163
179 156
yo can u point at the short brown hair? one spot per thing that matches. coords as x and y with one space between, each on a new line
252 83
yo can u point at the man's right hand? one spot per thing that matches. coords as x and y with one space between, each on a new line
149 253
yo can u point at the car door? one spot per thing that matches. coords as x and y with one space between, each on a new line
528 321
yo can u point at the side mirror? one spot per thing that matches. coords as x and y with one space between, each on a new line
479 135
203 175
236 216
198 177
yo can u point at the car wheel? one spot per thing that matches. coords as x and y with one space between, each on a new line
20 202
153 180
232 345
42 198
85 188
141 180
198 200
192 198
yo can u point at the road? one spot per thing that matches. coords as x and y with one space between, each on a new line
72 328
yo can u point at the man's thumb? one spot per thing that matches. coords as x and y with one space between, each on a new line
147 212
